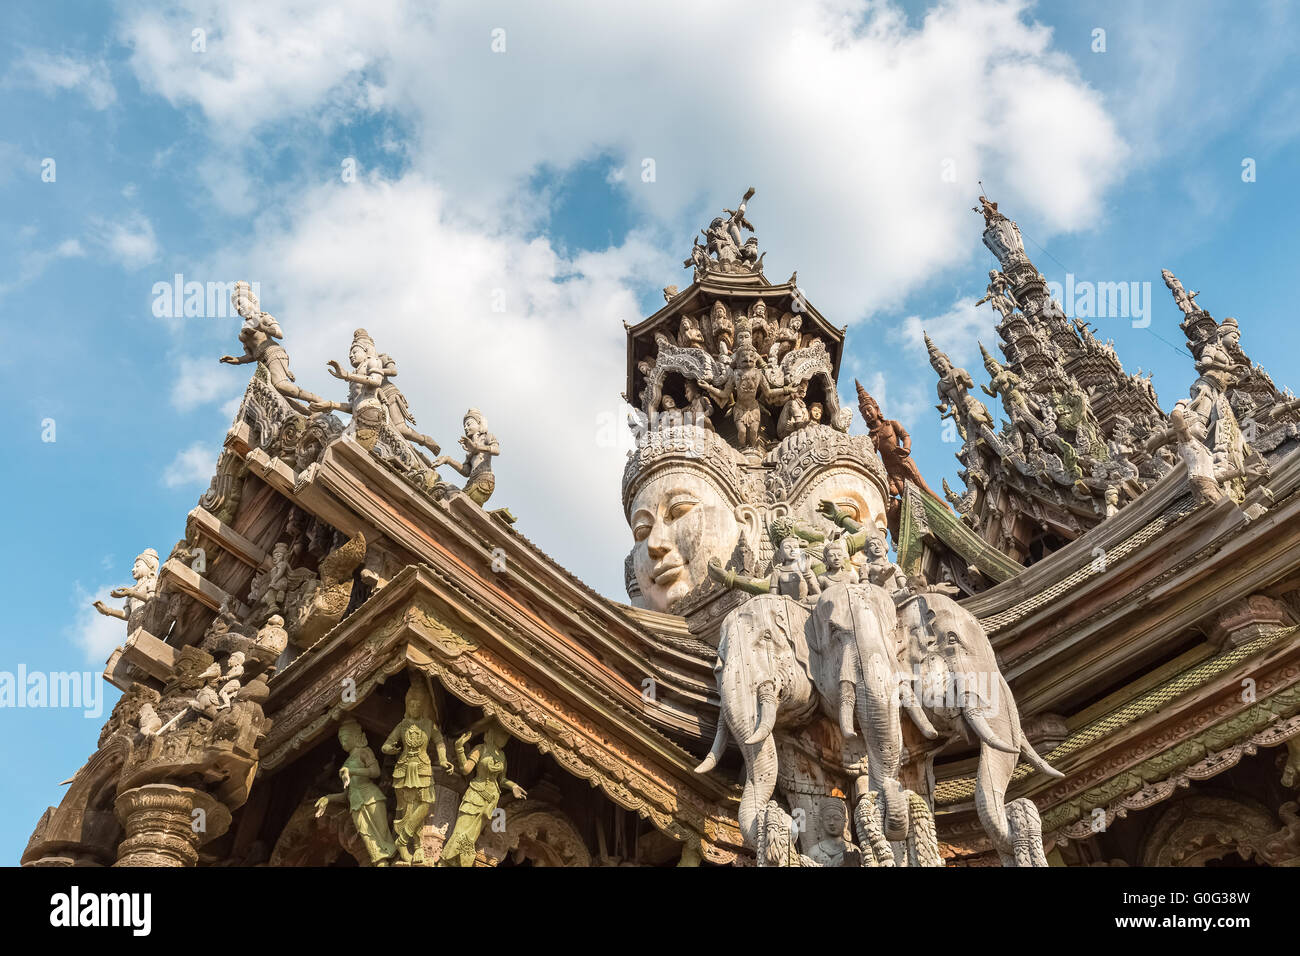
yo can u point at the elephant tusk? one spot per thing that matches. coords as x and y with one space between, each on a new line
766 712
1037 762
916 712
717 749
980 724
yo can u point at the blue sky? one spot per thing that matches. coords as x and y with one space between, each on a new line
516 175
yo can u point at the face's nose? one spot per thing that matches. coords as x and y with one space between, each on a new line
658 543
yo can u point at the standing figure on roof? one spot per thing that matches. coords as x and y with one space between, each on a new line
955 400
481 446
399 411
258 335
364 404
893 443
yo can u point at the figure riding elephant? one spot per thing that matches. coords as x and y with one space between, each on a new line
961 686
858 674
764 681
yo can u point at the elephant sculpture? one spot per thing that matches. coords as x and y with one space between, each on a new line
764 681
858 674
963 688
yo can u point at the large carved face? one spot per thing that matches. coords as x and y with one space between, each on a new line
852 492
679 520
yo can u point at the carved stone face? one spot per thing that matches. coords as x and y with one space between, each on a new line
679 520
835 557
852 492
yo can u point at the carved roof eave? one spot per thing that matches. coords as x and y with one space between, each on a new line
1192 726
461 542
732 285
416 621
1115 599
924 521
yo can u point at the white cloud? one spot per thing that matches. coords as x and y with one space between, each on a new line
56 72
34 262
93 632
843 115
956 331
547 372
200 381
191 466
130 240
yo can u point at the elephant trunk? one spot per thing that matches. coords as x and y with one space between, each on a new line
760 784
991 779
880 723
766 712
848 693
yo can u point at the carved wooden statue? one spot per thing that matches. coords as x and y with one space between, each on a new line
413 772
366 802
487 763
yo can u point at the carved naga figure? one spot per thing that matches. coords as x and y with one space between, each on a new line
962 687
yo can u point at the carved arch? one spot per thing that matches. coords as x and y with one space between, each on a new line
1200 829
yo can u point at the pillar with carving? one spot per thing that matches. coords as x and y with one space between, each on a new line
165 824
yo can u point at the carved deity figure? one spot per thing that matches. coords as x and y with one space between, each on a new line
1219 367
867 539
481 447
270 587
145 572
1000 294
399 411
366 802
1186 301
698 407
258 336
955 400
745 387
1007 384
487 763
839 569
722 328
413 772
990 211
794 414
793 574
893 443
785 338
833 848
1188 432
723 236
689 335
367 375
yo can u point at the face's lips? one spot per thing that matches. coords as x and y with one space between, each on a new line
665 572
